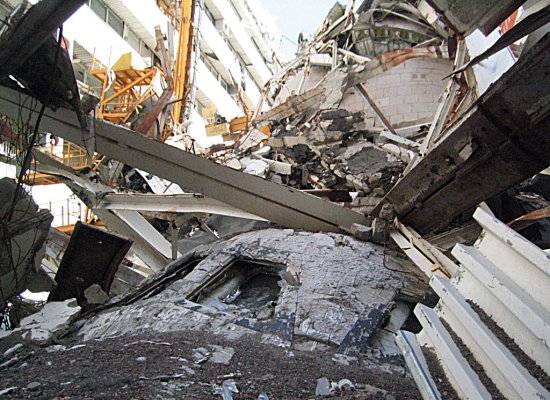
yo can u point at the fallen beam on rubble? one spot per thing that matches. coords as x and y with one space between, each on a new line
177 203
499 142
280 204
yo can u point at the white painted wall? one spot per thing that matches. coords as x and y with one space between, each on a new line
142 16
98 38
215 41
207 83
259 70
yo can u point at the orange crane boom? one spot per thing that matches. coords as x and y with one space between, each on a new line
182 15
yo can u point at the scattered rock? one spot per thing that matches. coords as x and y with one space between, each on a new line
33 386
361 232
234 164
221 355
291 141
323 387
95 295
275 142
13 350
379 230
387 212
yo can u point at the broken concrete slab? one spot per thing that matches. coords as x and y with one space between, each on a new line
46 325
329 302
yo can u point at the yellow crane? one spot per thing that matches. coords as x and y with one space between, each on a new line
182 15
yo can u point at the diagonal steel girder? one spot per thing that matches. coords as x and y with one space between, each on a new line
277 203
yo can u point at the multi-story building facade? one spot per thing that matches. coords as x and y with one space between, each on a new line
236 46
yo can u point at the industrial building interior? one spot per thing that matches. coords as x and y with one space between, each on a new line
187 215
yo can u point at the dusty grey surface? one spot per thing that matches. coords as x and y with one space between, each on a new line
335 290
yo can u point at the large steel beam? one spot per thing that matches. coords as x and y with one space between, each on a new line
175 203
277 203
466 16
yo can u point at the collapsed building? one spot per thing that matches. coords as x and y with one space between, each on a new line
374 227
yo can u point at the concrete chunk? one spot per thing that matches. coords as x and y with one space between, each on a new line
361 232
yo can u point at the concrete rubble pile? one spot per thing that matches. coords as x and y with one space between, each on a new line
361 234
325 137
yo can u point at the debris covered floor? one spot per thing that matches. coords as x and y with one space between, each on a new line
162 366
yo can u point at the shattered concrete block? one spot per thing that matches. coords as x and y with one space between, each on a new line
361 232
334 114
374 179
387 212
275 178
254 138
334 136
380 229
323 387
255 167
275 142
357 183
291 141
221 355
234 164
48 323
340 173
95 295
